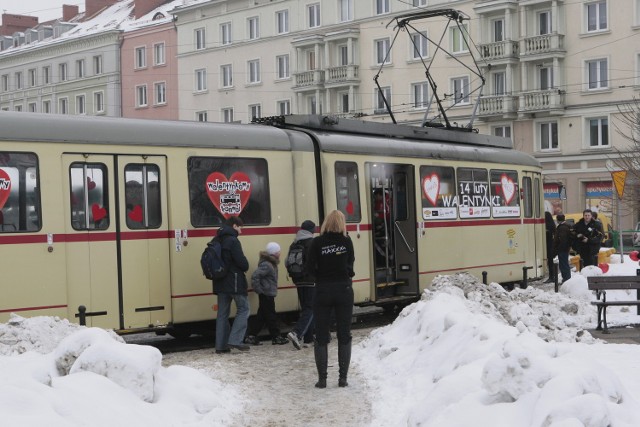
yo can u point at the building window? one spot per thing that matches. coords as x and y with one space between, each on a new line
141 96
98 102
18 80
499 83
458 38
343 100
81 107
343 55
32 77
141 57
419 45
544 22
201 80
158 54
62 71
419 3
253 28
383 54
160 90
46 107
597 74
284 107
227 115
312 105
346 10
282 66
545 74
548 135
225 33
201 116
46 75
227 75
311 60
382 7
460 90
63 106
253 67
420 92
255 111
598 132
5 82
503 131
199 38
498 30
17 108
31 107
80 68
596 16
313 11
97 65
282 21
381 95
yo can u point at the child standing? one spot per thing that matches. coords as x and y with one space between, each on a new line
265 284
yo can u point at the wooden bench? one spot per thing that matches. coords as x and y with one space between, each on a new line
602 284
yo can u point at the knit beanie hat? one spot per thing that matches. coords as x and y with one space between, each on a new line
273 248
308 225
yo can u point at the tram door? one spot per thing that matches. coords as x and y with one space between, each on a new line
393 207
534 242
117 246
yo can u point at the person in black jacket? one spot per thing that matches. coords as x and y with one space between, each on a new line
330 260
234 287
588 238
561 246
550 228
304 328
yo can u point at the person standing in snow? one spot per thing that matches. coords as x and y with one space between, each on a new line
304 327
561 246
330 260
550 228
588 238
234 287
265 284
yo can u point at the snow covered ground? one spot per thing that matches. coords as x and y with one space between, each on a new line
465 355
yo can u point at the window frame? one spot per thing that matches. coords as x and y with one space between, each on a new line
379 105
159 54
601 66
225 33
200 38
253 72
160 96
603 139
420 47
420 95
313 15
146 191
286 103
596 6
98 102
458 42
140 57
200 82
97 65
383 7
253 28
382 51
465 96
80 69
226 74
551 134
282 67
84 206
81 104
282 21
351 171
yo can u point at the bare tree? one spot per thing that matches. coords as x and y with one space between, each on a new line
627 157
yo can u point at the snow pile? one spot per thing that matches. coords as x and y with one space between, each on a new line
469 352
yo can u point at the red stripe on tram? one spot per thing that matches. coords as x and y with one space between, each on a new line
44 307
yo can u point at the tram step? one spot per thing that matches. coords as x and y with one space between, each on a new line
386 284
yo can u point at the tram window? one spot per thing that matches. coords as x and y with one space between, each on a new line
347 192
19 192
400 197
505 200
536 199
221 187
142 195
473 193
528 199
89 196
438 189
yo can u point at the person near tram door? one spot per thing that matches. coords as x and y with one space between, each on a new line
588 238
232 287
330 260
561 246
265 284
550 227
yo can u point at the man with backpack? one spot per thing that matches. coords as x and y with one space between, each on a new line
305 284
232 286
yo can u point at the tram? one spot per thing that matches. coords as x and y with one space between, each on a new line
112 214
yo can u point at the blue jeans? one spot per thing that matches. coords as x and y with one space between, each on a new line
563 265
231 335
304 327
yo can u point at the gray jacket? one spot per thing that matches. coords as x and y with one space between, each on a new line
265 279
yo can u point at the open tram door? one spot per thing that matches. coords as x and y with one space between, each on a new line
117 246
535 243
394 242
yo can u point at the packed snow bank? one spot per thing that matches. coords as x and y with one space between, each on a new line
474 354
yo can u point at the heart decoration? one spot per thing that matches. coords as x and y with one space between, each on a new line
98 212
90 184
431 188
634 255
135 214
349 207
229 196
604 267
508 188
5 187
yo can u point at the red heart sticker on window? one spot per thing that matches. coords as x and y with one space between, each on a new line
508 188
431 188
98 212
90 184
5 187
229 196
135 214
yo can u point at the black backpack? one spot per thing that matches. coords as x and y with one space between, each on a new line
295 260
213 266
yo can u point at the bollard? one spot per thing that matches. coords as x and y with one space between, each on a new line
555 272
484 277
524 283
82 314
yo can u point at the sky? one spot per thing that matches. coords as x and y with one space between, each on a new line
45 10
466 354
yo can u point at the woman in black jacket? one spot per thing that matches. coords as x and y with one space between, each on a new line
550 227
330 260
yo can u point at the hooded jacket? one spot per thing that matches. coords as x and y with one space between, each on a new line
265 279
304 237
235 282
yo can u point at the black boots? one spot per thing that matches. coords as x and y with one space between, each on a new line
320 353
344 359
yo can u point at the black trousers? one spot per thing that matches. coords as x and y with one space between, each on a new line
266 315
336 298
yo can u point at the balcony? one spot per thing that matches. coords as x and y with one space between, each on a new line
506 49
503 106
309 80
343 75
544 45
551 101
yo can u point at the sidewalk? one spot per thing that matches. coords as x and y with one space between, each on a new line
619 335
